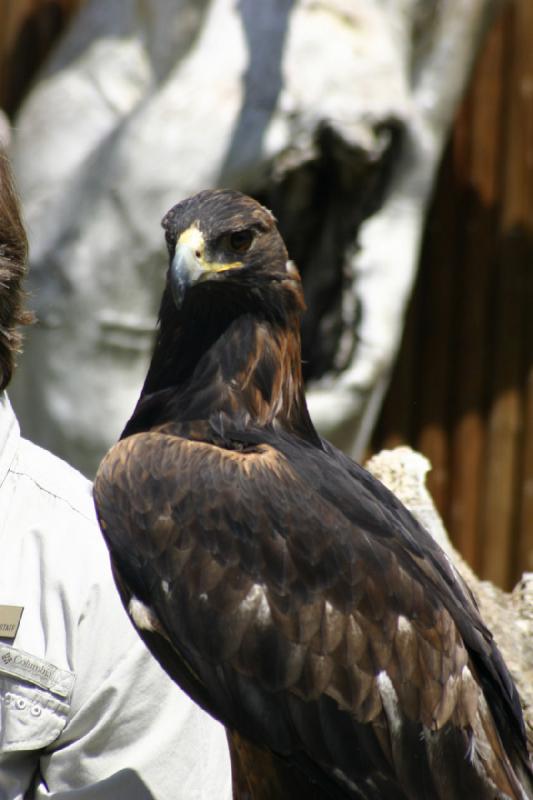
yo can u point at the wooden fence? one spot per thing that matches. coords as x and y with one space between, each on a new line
462 392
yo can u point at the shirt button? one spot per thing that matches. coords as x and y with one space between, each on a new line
21 703
36 711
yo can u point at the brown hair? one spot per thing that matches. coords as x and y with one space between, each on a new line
13 261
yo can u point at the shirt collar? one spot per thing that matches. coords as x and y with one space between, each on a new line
9 435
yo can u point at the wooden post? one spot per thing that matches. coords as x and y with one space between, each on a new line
517 227
506 428
477 170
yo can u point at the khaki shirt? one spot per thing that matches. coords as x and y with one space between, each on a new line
85 711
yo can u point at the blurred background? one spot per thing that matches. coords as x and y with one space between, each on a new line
394 142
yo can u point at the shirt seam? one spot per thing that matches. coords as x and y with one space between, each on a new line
62 498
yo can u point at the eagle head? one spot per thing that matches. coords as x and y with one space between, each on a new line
226 240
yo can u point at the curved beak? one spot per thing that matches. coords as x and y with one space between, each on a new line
189 263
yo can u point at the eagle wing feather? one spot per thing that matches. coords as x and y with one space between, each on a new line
301 618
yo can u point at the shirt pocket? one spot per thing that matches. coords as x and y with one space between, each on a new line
32 712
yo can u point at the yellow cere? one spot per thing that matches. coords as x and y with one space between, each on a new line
193 238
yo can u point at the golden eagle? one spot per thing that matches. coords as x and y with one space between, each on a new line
284 588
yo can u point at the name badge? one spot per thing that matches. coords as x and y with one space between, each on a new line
9 621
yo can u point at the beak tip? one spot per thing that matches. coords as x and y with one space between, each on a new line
184 271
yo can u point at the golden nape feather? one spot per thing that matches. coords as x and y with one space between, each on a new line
281 585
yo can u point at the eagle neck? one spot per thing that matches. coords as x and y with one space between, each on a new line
260 374
246 366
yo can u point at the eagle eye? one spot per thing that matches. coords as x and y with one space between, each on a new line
240 241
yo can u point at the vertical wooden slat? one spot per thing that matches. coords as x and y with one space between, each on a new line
395 424
478 171
519 219
505 421
523 560
434 368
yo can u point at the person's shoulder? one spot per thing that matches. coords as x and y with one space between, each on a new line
54 507
52 477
